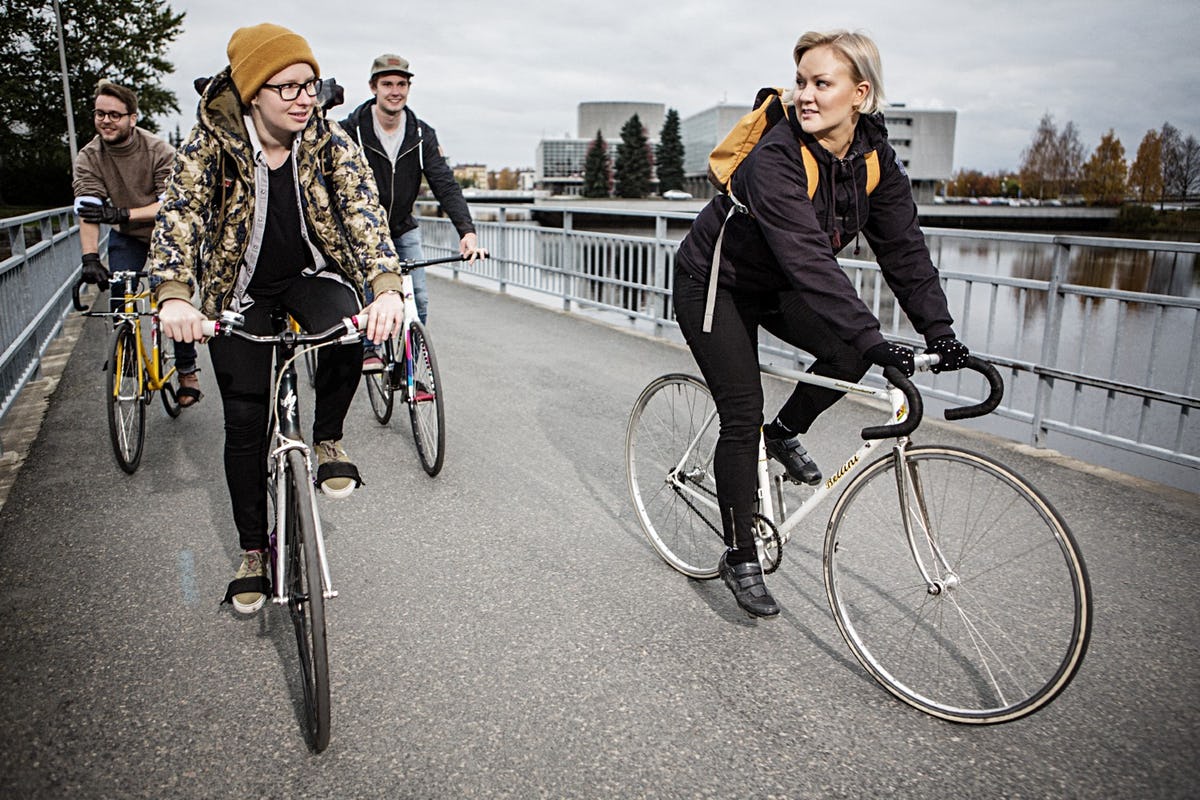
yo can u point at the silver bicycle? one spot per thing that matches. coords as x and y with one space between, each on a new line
955 583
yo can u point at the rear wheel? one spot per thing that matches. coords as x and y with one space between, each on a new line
426 406
126 411
669 446
306 600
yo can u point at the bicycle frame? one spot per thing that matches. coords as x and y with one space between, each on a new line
137 303
285 437
899 413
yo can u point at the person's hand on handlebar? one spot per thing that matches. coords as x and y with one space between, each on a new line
887 354
470 249
952 354
181 321
94 270
384 315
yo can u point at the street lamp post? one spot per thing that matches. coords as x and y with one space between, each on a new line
62 59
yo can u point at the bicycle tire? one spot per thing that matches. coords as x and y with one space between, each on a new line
1010 626
380 389
675 414
125 406
426 403
170 398
306 600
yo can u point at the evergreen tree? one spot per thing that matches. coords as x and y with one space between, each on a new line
669 154
597 169
1104 173
634 162
125 41
1145 176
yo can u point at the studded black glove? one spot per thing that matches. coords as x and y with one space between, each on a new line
892 355
93 270
97 213
954 354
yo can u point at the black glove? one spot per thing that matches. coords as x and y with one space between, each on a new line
892 355
102 212
954 354
93 270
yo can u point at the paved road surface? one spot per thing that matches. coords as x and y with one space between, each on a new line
505 631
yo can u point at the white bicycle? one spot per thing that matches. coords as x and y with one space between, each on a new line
956 584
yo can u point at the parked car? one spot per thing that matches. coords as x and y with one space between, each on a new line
676 194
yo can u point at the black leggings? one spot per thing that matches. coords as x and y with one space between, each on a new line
728 359
244 374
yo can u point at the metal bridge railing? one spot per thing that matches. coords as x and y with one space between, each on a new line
39 261
1091 372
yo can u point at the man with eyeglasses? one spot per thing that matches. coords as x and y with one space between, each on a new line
402 149
119 179
272 209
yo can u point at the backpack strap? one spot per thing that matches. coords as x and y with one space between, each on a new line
872 159
811 173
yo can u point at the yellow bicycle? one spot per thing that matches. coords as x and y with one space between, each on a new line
136 368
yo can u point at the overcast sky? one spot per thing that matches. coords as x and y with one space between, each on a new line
495 76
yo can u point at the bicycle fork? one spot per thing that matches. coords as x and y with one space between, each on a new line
918 527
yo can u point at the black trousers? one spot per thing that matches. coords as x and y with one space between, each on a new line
728 359
244 374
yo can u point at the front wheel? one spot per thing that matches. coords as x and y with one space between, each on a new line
170 399
426 405
126 411
669 447
1003 623
306 600
380 389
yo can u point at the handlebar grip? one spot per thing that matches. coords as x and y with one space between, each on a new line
916 409
75 301
211 328
995 392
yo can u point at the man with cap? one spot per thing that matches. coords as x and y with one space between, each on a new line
402 149
272 209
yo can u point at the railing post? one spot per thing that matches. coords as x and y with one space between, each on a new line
660 272
1051 333
568 256
502 248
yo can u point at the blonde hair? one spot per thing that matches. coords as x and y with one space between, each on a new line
860 54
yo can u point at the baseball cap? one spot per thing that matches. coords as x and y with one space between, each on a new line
390 63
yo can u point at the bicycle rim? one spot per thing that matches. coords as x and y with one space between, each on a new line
426 406
1010 623
306 603
674 416
126 411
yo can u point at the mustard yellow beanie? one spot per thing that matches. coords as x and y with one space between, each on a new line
259 51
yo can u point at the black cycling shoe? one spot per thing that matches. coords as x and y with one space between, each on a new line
746 583
795 459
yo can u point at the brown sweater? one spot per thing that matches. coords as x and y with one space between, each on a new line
131 175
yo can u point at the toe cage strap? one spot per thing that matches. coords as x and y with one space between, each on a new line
251 583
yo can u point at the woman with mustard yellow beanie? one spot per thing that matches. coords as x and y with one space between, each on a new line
271 207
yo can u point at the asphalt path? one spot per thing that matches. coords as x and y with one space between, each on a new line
504 630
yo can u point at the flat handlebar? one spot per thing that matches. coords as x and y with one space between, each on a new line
916 407
409 266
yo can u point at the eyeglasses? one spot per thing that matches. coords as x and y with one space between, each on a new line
290 91
111 116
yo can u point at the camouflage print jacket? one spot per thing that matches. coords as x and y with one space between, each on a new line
204 235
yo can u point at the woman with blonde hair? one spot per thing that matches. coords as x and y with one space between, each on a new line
777 268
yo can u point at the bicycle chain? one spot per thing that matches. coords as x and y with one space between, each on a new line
772 536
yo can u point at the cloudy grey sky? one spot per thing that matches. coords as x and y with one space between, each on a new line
495 76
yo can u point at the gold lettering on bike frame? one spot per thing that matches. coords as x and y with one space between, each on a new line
841 473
